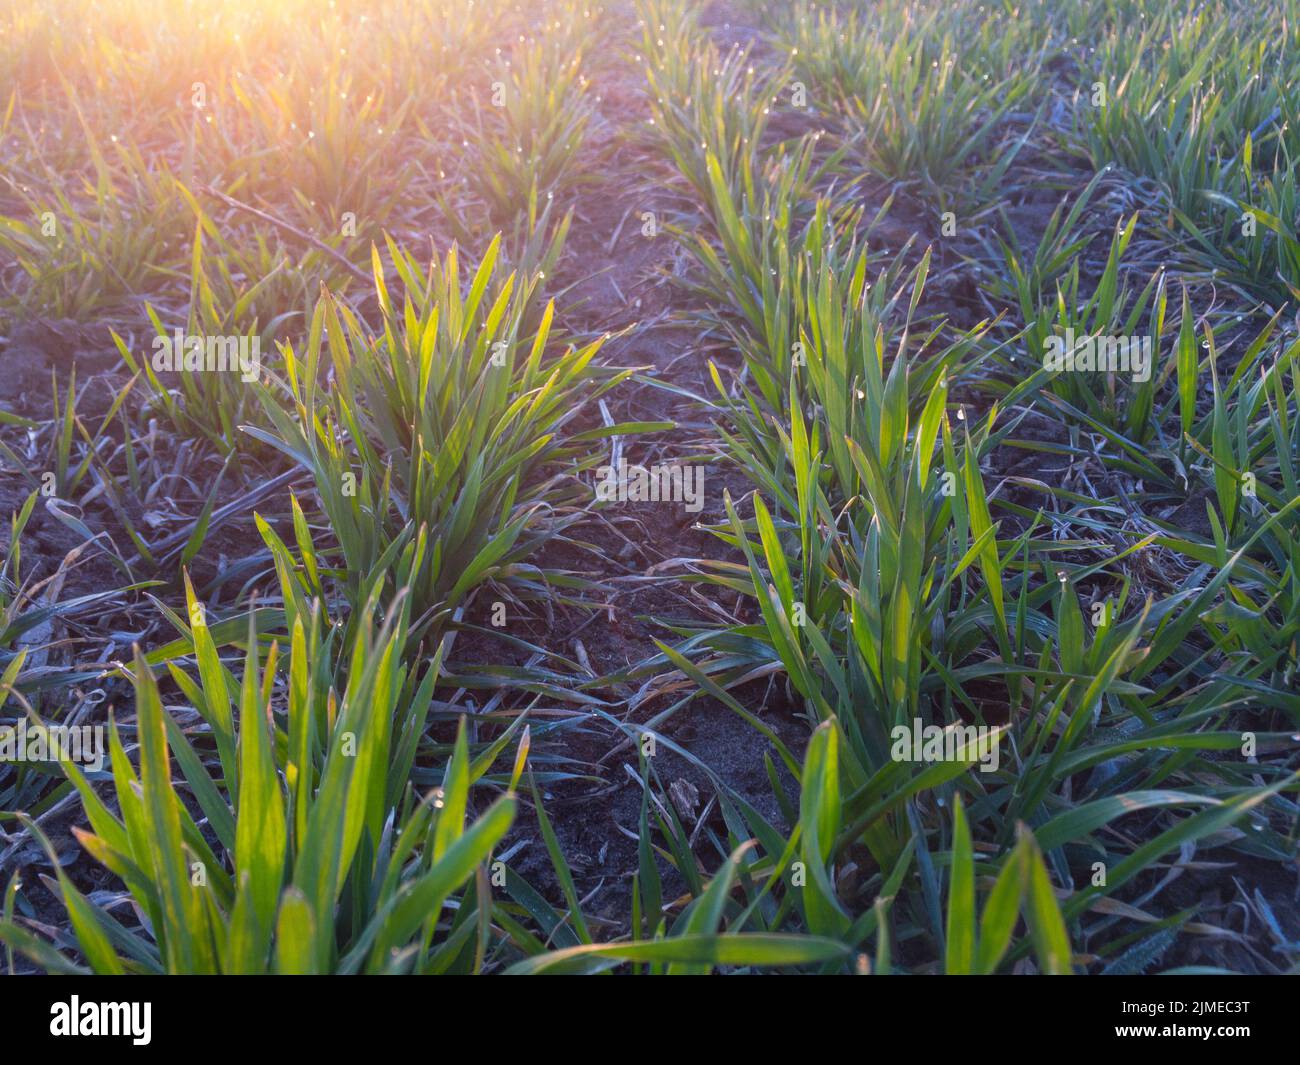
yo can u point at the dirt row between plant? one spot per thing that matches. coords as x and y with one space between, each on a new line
622 265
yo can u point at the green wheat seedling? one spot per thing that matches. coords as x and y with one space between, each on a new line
1062 323
703 102
757 280
792 898
83 249
879 525
33 661
532 245
313 869
450 422
1242 452
773 228
979 945
858 605
1120 398
1256 246
1077 702
839 51
1172 98
933 124
225 302
1246 435
843 322
923 93
322 135
78 455
26 611
527 139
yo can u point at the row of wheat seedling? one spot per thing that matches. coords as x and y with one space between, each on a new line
904 606
277 822
129 212
291 808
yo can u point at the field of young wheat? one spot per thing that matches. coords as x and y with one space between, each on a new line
649 486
